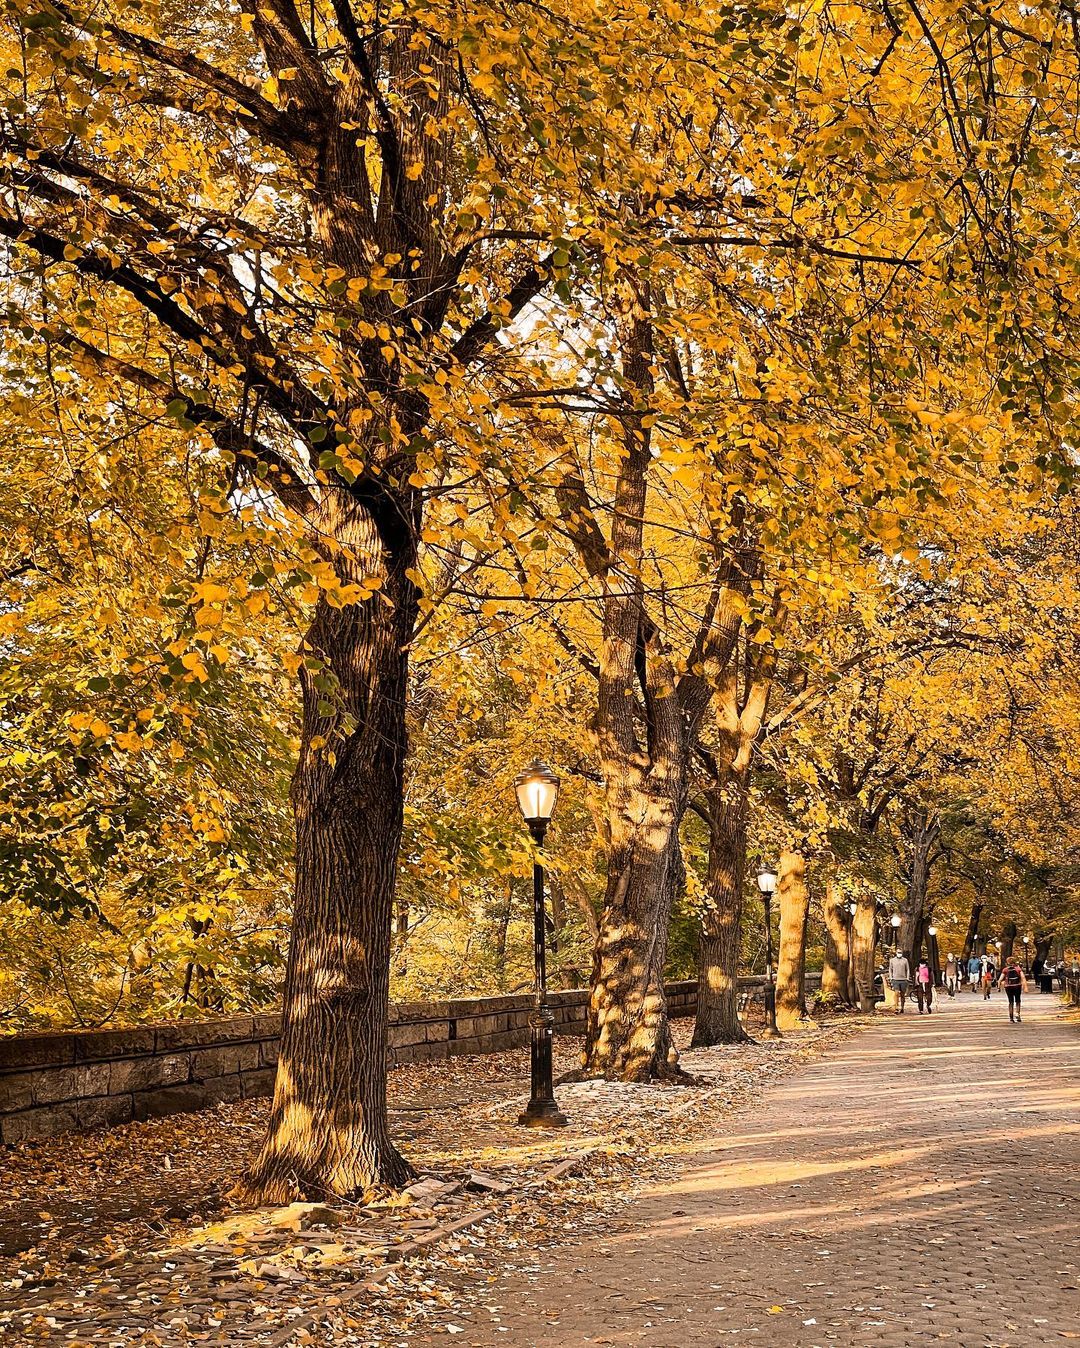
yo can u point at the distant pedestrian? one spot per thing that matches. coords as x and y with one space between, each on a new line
899 974
1014 983
924 987
950 975
974 968
987 979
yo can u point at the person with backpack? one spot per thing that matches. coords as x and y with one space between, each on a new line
1014 983
924 987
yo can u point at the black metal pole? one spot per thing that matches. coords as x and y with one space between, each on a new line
542 1110
770 1031
850 991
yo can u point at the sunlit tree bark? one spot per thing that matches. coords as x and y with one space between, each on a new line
794 899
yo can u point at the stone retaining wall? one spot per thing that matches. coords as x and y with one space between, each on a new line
81 1079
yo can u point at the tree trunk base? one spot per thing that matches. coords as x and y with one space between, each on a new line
275 1182
712 1036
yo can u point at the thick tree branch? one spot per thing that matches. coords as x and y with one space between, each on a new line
525 289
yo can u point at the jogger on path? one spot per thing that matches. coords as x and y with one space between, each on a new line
1014 983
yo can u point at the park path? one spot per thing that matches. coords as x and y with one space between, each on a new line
919 1184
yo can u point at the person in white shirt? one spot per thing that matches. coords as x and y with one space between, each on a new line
899 973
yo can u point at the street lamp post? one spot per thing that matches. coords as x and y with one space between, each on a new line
894 923
766 880
852 909
935 962
1027 955
537 789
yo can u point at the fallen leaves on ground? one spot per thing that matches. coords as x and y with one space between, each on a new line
138 1243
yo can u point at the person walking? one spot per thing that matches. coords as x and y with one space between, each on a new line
924 987
899 974
950 975
1014 983
987 978
974 968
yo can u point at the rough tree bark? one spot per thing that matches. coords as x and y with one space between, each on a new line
972 933
791 963
1008 939
327 1132
717 1020
920 831
646 775
743 688
1043 945
650 709
864 943
835 974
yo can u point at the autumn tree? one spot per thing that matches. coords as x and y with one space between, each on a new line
301 238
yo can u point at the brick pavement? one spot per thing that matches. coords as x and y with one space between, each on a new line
919 1185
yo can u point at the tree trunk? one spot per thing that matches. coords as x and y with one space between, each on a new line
328 1133
1008 939
717 1020
920 831
791 963
1043 944
918 939
972 930
864 942
835 972
627 1035
645 765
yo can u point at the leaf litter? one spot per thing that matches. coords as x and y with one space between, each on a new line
128 1236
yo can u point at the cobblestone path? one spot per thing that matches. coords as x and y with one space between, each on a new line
919 1185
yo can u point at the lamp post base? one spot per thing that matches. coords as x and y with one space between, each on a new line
542 1114
770 1031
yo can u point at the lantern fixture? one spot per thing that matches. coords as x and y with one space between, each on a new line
766 880
537 790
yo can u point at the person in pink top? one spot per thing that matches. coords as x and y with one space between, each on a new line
924 987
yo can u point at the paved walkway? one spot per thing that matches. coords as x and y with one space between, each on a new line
920 1185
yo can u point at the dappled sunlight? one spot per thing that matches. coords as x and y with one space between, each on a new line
917 1168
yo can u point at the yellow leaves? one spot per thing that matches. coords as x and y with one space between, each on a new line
207 825
87 721
211 592
193 662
